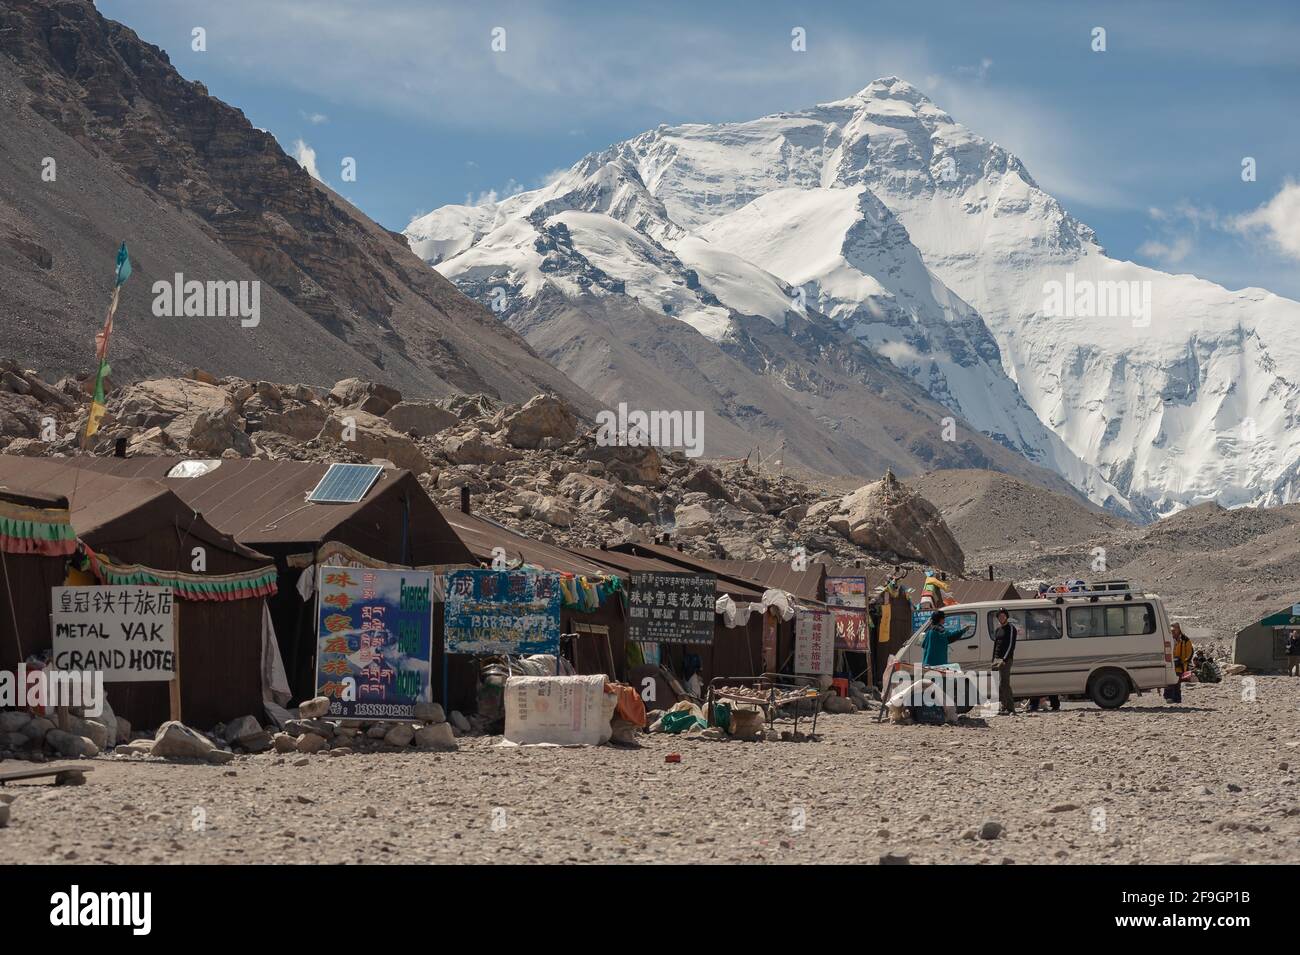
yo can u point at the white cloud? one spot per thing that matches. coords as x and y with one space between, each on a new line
1277 220
316 119
1167 253
306 157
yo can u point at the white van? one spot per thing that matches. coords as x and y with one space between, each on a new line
1099 645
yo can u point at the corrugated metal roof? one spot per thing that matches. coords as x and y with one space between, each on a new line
625 563
103 507
781 575
482 536
265 502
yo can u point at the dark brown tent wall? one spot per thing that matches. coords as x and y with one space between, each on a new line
142 522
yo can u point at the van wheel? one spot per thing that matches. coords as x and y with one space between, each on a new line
1109 689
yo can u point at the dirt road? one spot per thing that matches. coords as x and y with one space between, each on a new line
1213 780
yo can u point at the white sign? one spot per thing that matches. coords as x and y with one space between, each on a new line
814 642
124 632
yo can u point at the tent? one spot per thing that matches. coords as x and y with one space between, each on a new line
136 532
263 504
1262 645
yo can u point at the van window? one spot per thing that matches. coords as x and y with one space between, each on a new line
1129 620
1041 624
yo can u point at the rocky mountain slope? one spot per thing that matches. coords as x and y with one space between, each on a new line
142 155
936 248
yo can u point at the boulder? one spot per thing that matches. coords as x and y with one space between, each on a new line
284 743
70 745
706 481
311 743
36 729
248 733
546 508
430 713
300 422
400 734
368 396
436 736
173 404
422 418
317 706
473 447
14 721
891 518
372 437
634 464
693 520
540 418
610 497
93 730
175 740
218 430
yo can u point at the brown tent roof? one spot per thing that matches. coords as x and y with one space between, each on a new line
625 563
264 503
781 575
728 579
131 520
481 536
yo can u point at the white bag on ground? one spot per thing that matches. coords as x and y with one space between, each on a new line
563 710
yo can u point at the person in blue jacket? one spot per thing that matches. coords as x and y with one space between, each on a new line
934 645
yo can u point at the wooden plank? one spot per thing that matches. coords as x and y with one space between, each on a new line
14 775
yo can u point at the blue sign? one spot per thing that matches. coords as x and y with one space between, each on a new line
374 641
502 611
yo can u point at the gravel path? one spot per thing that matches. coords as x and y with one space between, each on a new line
1211 781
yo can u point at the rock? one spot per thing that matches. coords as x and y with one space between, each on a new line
459 721
36 729
540 418
319 727
315 707
610 497
301 422
400 734
93 730
1062 807
435 736
706 481
123 729
302 761
991 829
430 713
284 743
546 508
628 463
890 858
173 404
422 418
970 835
890 517
175 740
218 430
693 520
370 436
835 703
13 722
219 757
14 741
311 743
241 728
473 447
70 745
368 396
140 747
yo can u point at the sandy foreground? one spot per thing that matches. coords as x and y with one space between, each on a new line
1213 780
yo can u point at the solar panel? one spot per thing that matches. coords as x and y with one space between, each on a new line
345 483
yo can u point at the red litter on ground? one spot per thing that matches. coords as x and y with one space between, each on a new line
673 758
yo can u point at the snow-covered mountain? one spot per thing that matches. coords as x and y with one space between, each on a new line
934 248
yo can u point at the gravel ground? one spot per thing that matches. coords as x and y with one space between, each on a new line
1207 781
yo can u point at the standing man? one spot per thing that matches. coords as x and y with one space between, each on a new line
1293 653
1182 660
1004 651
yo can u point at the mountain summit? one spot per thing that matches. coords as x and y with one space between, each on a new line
932 247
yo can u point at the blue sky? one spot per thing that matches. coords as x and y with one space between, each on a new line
1144 142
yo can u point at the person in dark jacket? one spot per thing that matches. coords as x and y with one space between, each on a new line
1293 653
1004 651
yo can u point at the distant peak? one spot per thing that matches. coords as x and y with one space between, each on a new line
891 87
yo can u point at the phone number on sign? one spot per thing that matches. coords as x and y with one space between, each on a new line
404 711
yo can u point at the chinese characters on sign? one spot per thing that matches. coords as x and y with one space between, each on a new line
848 595
502 611
671 608
374 640
125 632
814 642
